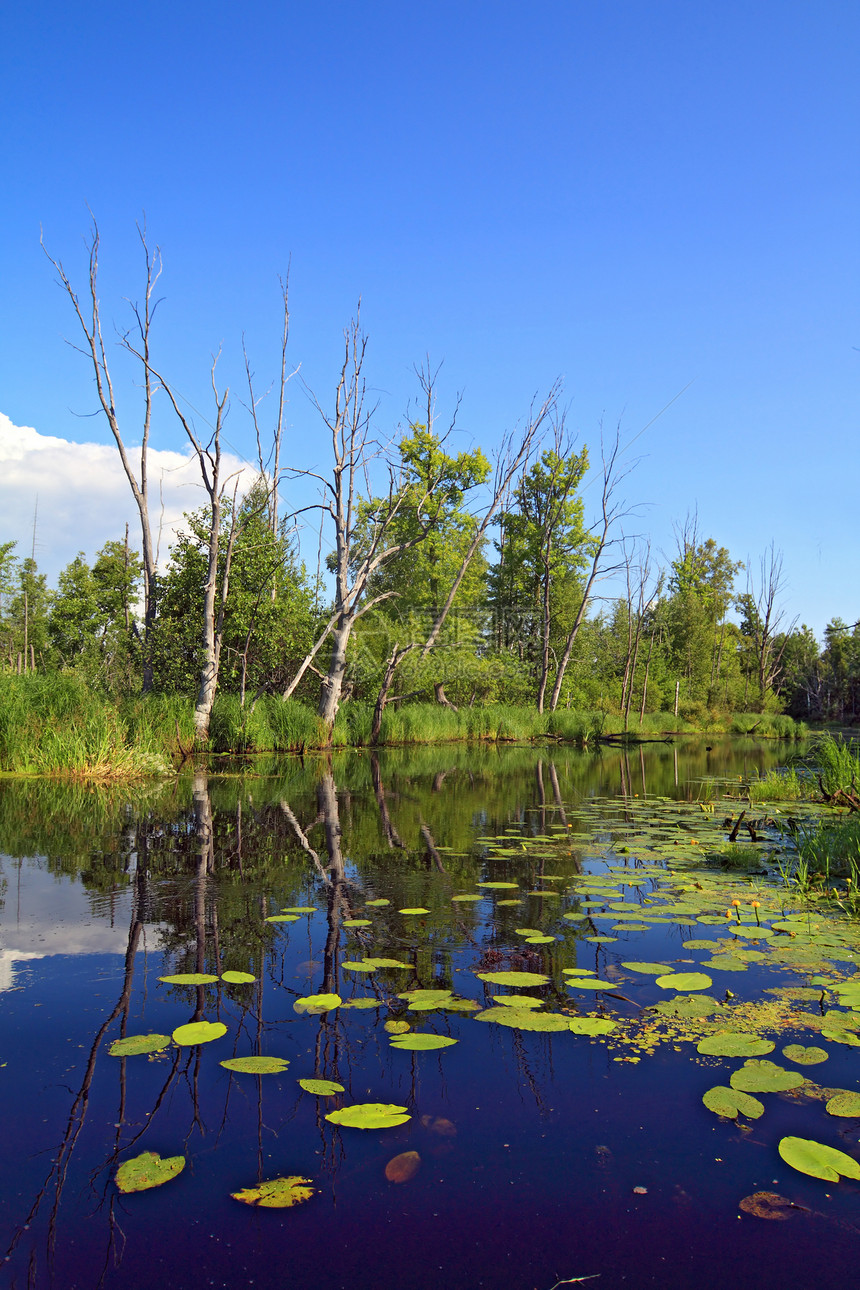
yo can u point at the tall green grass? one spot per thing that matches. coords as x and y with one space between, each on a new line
837 762
779 786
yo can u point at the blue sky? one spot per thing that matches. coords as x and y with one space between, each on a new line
637 197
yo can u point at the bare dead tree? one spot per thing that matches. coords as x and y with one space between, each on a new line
270 463
344 489
88 314
765 617
612 510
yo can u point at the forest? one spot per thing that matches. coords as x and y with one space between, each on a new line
430 577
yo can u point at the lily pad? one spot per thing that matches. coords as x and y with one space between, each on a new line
684 981
357 966
356 922
805 1056
370 1115
844 1103
648 969
321 1087
397 1027
589 983
592 1025
317 1003
189 978
757 1076
416 910
425 998
818 1160
238 978
524 1019
517 1001
282 918
199 1032
132 1045
389 963
768 1204
306 909
732 1044
377 904
421 1043
256 1065
466 898
403 1167
513 978
148 1170
498 886
279 1193
361 1004
731 1103
689 1006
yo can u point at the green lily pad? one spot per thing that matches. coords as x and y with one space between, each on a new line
592 1025
517 1001
725 963
189 978
524 1019
307 909
757 1076
589 983
256 1065
425 997
539 940
279 1193
684 981
421 1043
600 940
418 909
648 969
132 1045
377 904
732 1044
818 1160
703 945
467 898
199 1032
578 971
841 1037
499 886
528 931
731 1103
361 1004
844 1103
321 1087
317 1003
397 1027
238 978
513 978
370 1115
805 1056
389 963
751 933
148 1170
357 966
509 902
282 918
356 922
575 918
689 1006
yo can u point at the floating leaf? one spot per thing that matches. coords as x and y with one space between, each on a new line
199 1032
356 922
592 1025
731 1103
377 904
841 1037
725 963
844 1103
282 918
649 969
421 1043
256 1065
575 918
279 1193
317 1003
524 1019
589 983
751 933
357 966
417 910
764 1077
361 1003
688 1005
148 1170
513 978
397 1027
517 1001
817 1160
189 978
539 940
498 886
600 940
321 1087
703 945
389 963
578 971
132 1045
768 1204
729 1043
370 1115
684 981
467 898
425 998
509 902
403 1167
238 978
805 1056
307 909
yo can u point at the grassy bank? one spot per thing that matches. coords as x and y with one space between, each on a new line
54 724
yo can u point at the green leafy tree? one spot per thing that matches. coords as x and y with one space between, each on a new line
26 620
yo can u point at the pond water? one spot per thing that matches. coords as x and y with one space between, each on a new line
553 1139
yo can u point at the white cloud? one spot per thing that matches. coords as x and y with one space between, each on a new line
83 496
